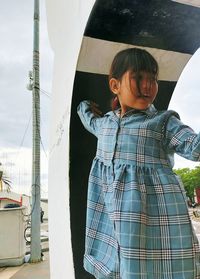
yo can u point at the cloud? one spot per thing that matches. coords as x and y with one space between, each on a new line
16 53
184 163
17 164
186 100
15 62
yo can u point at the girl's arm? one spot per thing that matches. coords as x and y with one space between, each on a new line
182 139
90 116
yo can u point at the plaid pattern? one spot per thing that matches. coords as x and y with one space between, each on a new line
138 225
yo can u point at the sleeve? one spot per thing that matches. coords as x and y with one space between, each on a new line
91 122
181 139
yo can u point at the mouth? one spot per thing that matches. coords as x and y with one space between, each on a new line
146 96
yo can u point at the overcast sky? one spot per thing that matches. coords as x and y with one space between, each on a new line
16 33
186 101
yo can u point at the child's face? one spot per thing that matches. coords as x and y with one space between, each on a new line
128 93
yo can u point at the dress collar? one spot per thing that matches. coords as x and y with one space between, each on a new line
149 111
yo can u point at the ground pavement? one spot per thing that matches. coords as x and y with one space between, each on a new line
28 271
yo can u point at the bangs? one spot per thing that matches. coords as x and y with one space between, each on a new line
134 60
141 60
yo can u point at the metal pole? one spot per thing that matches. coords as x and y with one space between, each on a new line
35 216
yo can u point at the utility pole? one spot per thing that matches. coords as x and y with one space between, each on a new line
35 212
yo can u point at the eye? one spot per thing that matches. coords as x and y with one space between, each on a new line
154 79
133 76
141 77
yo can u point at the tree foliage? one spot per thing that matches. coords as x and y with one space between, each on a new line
4 180
190 179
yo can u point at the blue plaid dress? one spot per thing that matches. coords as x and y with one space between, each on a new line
138 225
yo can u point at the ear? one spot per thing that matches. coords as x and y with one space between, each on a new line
114 85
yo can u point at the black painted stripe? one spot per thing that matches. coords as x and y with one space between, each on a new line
159 24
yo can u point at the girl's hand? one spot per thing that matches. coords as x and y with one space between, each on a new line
95 109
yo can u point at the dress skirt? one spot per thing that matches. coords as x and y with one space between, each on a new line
138 226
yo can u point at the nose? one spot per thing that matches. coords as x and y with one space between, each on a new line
145 84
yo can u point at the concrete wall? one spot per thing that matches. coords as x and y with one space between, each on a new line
12 240
66 24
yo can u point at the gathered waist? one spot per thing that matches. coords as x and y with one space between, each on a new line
140 162
117 174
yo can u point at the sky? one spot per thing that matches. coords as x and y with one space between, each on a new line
186 101
16 33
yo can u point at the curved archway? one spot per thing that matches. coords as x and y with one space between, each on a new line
168 30
112 26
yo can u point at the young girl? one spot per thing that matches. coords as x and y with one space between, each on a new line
138 225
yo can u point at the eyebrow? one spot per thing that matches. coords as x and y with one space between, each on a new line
141 72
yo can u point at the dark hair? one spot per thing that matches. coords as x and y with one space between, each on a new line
133 60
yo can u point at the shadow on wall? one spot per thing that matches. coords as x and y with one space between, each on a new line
82 152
